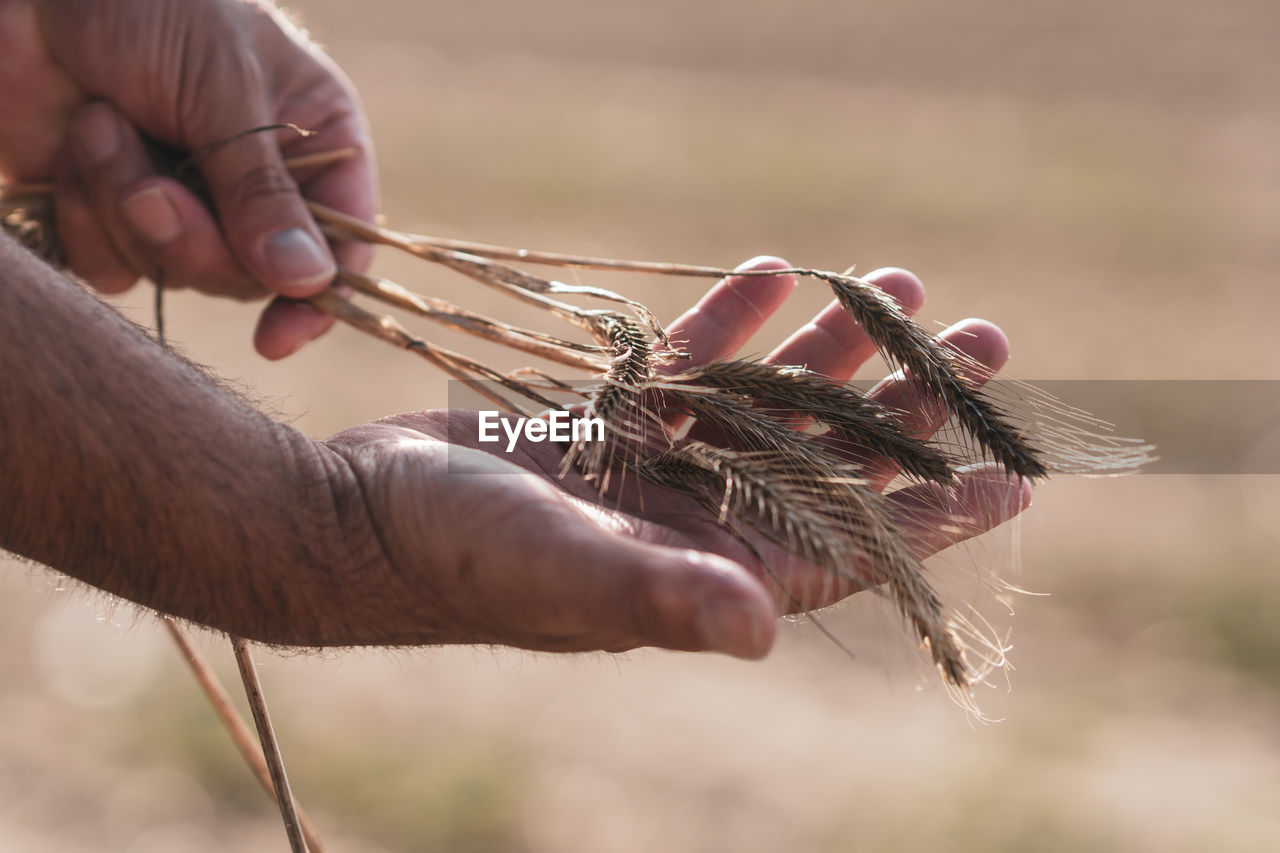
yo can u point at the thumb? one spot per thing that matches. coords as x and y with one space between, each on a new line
578 586
689 600
265 221
197 98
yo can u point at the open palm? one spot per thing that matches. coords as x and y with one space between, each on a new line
503 549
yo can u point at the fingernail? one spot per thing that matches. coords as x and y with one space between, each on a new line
152 215
732 627
98 134
298 259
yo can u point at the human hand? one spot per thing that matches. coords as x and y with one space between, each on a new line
493 547
84 80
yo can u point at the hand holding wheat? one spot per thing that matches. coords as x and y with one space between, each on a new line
197 72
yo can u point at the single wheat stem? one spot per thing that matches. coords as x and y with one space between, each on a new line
320 158
271 749
422 244
241 735
345 225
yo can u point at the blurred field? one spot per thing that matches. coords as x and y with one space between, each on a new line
1100 178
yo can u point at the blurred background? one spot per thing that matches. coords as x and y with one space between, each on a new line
1100 178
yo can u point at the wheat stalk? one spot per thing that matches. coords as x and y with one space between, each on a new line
250 749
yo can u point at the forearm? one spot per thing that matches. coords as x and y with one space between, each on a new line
129 469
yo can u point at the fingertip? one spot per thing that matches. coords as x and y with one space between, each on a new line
731 612
762 295
999 494
738 618
981 340
983 497
732 311
151 214
261 209
286 325
90 254
352 256
736 628
903 285
96 132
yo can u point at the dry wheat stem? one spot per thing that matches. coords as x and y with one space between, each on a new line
245 741
270 748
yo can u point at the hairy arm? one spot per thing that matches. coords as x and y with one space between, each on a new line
131 470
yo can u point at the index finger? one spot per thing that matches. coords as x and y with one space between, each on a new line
729 314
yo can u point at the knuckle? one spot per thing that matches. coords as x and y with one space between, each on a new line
263 186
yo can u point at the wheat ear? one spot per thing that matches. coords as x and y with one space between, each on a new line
860 421
836 525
